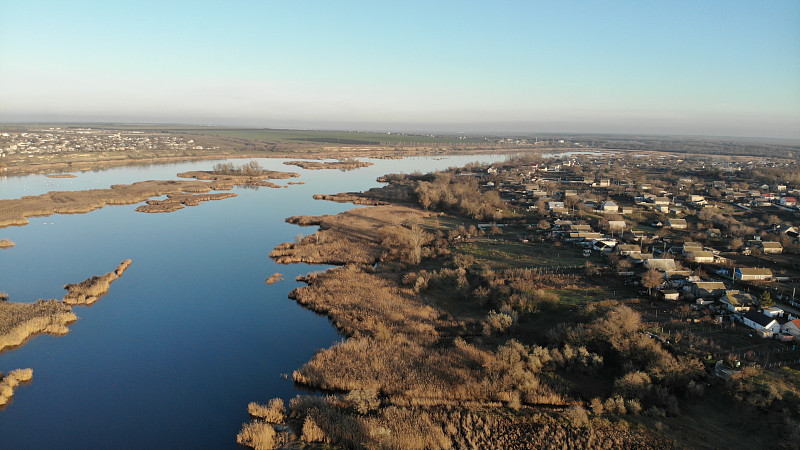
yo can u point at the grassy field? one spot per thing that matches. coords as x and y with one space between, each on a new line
326 137
280 135
507 255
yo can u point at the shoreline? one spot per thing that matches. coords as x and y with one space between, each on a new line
71 167
406 365
15 212
21 322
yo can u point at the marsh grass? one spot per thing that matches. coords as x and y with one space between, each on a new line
9 382
20 321
90 290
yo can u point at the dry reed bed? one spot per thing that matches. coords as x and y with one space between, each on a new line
321 165
9 382
354 198
90 290
61 175
20 321
274 278
238 179
5 243
322 421
408 382
15 212
396 349
175 202
358 236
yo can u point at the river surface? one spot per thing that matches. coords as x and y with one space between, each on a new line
191 333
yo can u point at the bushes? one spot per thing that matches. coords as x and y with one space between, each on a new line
458 195
496 322
253 169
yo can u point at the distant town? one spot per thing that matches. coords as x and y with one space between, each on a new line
57 140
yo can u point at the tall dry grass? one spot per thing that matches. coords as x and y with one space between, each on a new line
90 290
9 382
274 412
20 321
258 435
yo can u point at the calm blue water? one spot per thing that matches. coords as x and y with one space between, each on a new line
190 334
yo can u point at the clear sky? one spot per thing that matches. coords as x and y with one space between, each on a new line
664 67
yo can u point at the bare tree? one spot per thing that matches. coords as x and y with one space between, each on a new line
651 279
417 238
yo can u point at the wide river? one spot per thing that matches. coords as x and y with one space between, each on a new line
190 334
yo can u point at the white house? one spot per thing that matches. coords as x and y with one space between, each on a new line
766 325
752 274
678 224
659 201
609 206
771 247
700 257
616 225
627 249
697 199
792 327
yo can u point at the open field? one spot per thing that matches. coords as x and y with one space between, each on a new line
506 255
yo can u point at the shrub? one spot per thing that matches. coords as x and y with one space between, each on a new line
496 322
577 417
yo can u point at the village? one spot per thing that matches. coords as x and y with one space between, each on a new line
30 142
711 245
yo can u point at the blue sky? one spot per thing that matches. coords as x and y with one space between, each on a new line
678 67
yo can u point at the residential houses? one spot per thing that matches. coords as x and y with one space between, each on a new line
752 274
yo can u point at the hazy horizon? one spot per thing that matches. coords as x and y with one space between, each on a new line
713 69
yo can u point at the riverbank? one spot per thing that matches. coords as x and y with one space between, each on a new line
80 163
412 374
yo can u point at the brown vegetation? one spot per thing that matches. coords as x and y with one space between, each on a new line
5 243
14 212
360 236
274 278
342 164
90 290
20 321
175 202
275 412
9 382
354 198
